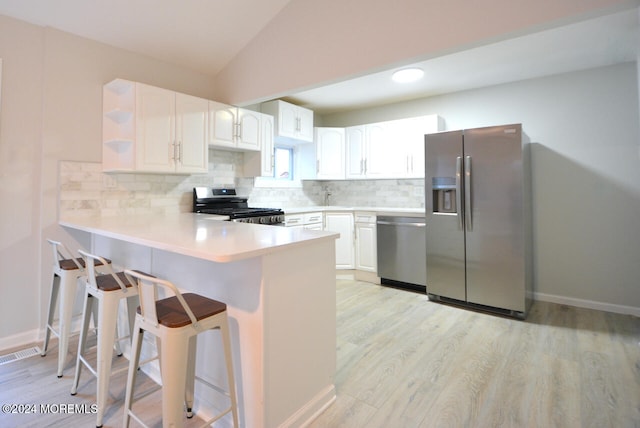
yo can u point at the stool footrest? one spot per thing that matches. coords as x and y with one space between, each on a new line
215 418
212 386
137 419
141 395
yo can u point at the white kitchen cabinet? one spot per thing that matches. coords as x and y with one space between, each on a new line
368 151
311 221
266 145
412 134
391 149
118 126
330 153
366 242
233 127
294 220
150 129
261 164
292 123
355 151
342 222
380 155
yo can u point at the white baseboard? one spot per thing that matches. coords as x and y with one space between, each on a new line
367 277
22 339
589 304
309 412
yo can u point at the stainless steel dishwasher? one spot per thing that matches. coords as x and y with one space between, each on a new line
402 246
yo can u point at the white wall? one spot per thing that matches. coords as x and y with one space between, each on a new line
586 174
51 111
21 49
310 42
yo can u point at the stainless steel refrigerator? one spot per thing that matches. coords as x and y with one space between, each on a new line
478 218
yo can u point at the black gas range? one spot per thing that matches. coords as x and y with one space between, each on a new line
226 202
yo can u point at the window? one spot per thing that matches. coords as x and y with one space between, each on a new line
283 165
286 169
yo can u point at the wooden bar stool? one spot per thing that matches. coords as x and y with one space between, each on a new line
109 290
177 321
67 269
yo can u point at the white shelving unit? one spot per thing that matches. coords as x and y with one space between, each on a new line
118 126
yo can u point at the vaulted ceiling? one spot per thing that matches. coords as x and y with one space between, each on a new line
205 35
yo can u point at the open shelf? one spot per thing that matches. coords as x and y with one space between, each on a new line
119 86
119 116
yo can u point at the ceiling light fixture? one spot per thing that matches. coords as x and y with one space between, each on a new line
407 75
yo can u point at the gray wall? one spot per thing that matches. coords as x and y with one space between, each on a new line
586 173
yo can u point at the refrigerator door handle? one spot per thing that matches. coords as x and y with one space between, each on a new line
459 192
467 193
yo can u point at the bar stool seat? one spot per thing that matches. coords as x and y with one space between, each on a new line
66 272
109 290
177 321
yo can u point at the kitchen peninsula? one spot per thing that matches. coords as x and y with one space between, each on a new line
278 284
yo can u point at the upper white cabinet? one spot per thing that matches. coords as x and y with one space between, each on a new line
392 149
261 164
355 151
412 137
330 153
150 129
233 127
293 123
369 151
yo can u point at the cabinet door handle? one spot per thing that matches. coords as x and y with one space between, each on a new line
180 151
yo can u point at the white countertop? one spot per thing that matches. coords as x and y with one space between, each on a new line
199 235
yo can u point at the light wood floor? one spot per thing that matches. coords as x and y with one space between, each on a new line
33 381
406 362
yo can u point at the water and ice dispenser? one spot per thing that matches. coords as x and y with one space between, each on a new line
444 194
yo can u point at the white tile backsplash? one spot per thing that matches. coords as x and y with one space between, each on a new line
86 191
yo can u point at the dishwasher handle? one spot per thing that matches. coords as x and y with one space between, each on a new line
395 223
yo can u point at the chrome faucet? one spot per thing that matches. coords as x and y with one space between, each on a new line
327 194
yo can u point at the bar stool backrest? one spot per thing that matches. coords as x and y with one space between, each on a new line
61 252
148 287
90 263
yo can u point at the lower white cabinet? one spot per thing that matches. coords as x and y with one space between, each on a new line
294 220
312 221
366 242
342 222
